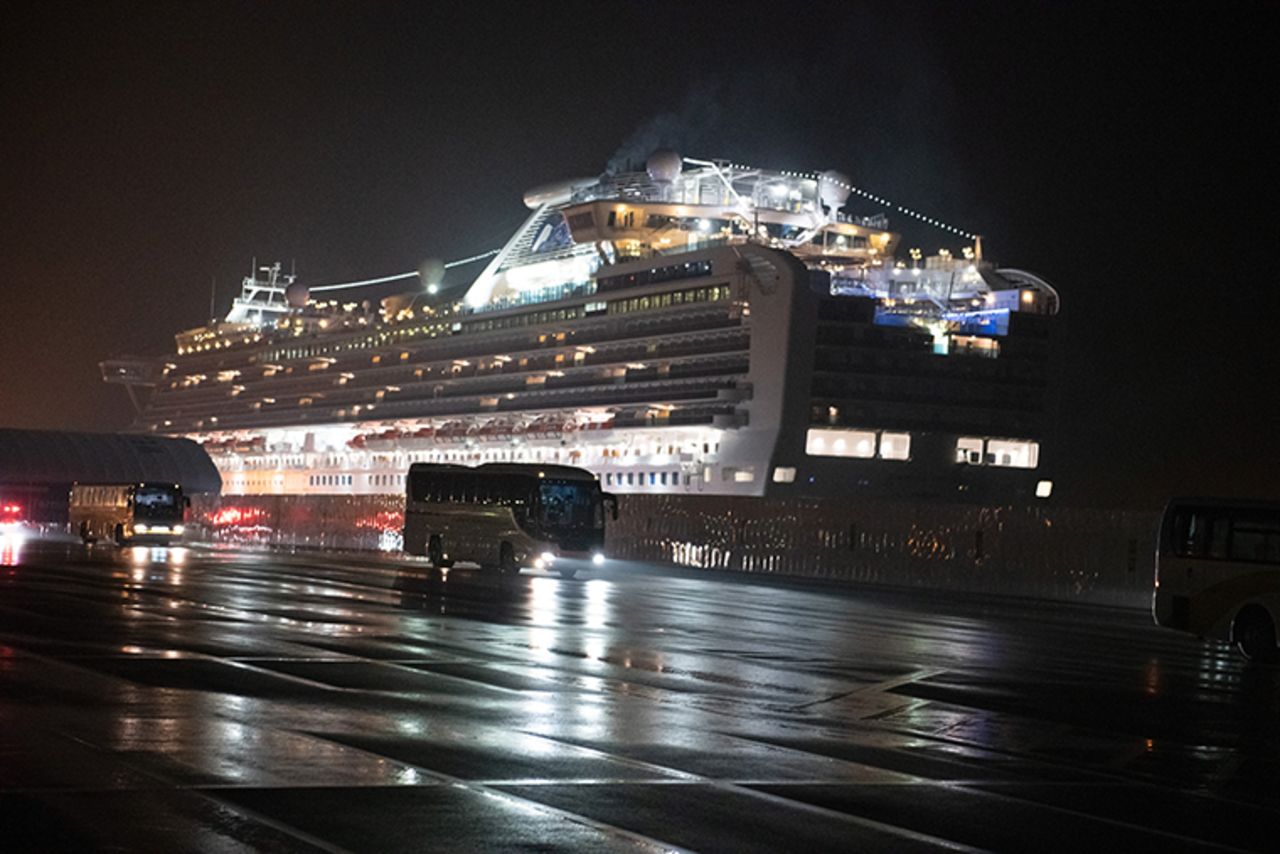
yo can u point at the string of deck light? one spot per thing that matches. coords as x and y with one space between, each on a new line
362 283
873 197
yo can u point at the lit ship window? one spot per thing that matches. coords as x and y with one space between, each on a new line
840 443
895 446
1002 453
969 450
1013 453
859 444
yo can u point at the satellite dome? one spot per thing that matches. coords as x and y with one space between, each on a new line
431 272
833 189
664 165
297 294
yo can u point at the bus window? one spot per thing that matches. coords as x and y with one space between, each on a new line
1200 533
1255 537
464 488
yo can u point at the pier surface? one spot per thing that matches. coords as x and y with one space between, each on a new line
226 700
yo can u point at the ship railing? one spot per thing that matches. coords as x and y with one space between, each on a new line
879 221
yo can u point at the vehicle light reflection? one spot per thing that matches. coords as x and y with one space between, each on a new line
11 542
598 605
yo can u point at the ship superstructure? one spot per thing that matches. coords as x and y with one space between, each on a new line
698 327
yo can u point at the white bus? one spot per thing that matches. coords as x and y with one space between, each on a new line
504 516
1218 572
128 513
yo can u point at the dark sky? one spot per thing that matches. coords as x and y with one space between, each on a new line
150 149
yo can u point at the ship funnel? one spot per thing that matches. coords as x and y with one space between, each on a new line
664 166
297 294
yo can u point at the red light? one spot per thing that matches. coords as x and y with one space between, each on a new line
227 516
236 516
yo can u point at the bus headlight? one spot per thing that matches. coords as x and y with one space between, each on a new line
178 529
141 528
597 559
548 557
539 563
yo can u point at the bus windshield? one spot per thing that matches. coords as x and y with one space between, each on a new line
157 502
569 505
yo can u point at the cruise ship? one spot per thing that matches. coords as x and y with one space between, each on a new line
696 327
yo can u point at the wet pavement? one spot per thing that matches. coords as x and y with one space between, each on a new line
224 700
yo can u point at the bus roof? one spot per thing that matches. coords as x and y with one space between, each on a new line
1243 503
145 484
527 469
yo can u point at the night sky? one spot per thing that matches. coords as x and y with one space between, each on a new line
152 149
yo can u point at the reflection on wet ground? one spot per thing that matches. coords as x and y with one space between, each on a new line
215 699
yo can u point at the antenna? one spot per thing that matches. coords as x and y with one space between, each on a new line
213 294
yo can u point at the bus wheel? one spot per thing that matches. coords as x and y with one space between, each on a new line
1255 635
507 560
435 551
566 572
119 535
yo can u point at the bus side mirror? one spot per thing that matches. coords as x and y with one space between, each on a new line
611 501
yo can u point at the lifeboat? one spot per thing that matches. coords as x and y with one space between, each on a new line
384 441
451 431
496 431
358 442
423 437
256 445
543 428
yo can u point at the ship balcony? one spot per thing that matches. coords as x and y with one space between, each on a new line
737 394
131 370
665 392
729 420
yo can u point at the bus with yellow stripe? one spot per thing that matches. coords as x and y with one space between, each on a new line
1218 572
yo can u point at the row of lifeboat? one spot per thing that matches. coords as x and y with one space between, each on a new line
544 428
459 432
254 445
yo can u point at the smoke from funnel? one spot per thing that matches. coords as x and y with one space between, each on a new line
690 129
